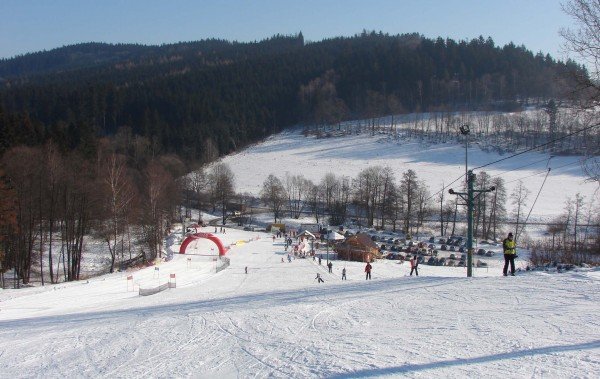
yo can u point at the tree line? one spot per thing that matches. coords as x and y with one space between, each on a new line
234 94
377 198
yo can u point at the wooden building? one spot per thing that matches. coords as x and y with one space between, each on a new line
359 248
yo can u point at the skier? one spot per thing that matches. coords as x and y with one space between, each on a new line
414 263
344 273
319 260
246 269
368 268
510 253
330 265
319 279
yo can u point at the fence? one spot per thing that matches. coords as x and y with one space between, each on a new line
222 263
155 290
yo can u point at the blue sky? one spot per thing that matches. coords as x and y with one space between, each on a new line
33 25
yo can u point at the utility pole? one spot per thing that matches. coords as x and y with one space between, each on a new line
469 197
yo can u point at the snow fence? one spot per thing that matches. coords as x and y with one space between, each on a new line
222 263
152 291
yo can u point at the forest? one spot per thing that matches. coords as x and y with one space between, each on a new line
200 98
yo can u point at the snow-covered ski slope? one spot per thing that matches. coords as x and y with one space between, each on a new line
436 164
276 321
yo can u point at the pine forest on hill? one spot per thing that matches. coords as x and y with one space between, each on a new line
198 98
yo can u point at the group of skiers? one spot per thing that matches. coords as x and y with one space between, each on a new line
508 246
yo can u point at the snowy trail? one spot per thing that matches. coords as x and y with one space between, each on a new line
276 321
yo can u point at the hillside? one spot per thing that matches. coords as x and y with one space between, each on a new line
276 321
437 164
230 94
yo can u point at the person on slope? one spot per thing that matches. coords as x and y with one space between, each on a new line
414 263
344 273
329 266
510 253
368 268
319 279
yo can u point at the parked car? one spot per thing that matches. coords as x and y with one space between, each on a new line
431 246
481 263
432 239
452 256
452 248
489 253
450 263
441 240
444 248
390 241
442 261
481 252
461 249
434 253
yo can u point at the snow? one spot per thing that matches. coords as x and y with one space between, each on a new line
292 153
276 321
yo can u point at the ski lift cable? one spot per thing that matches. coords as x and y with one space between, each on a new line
539 146
533 205
520 167
444 188
541 172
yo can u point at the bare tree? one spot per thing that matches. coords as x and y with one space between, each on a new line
584 42
409 188
296 190
273 194
222 182
8 222
423 205
119 193
314 199
156 186
519 198
198 184
497 207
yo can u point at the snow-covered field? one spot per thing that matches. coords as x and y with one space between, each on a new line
437 164
277 321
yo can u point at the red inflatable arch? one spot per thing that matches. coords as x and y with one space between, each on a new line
195 236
